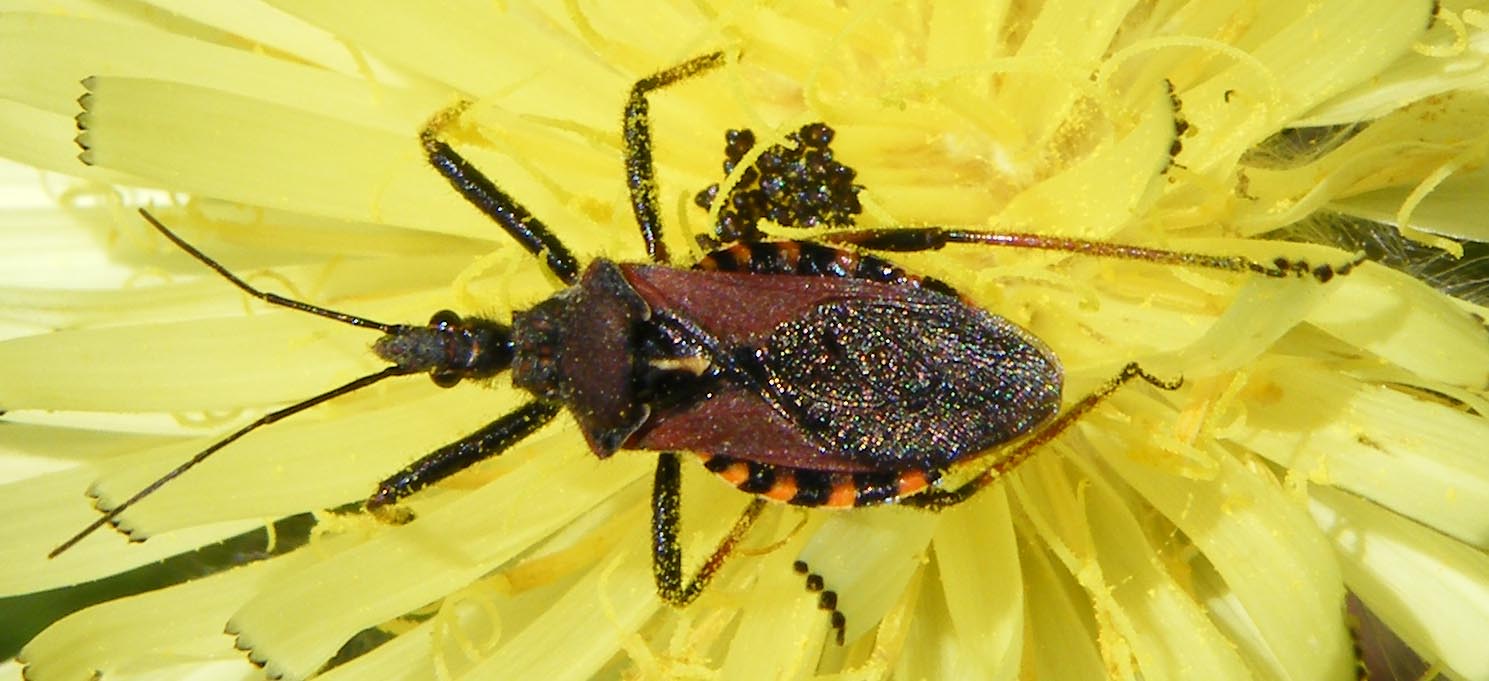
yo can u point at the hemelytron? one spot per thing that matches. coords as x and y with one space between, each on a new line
811 373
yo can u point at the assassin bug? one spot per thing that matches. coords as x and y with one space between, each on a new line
842 381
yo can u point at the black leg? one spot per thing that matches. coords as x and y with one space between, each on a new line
495 438
478 189
937 499
641 176
934 238
666 521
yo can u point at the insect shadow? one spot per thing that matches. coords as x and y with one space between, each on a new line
806 372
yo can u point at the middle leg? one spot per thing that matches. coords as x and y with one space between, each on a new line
641 174
666 524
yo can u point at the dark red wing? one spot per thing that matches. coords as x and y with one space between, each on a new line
738 424
740 308
861 375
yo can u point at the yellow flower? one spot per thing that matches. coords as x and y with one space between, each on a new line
1328 437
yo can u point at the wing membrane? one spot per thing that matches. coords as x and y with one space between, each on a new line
910 381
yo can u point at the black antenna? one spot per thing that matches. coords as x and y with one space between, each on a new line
261 295
264 420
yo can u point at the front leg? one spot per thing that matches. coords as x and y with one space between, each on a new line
495 438
481 192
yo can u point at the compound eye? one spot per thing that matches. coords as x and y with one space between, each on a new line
444 319
444 378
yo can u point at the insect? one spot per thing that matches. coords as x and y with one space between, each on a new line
806 372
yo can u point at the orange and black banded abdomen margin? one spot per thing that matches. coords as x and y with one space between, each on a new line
811 488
